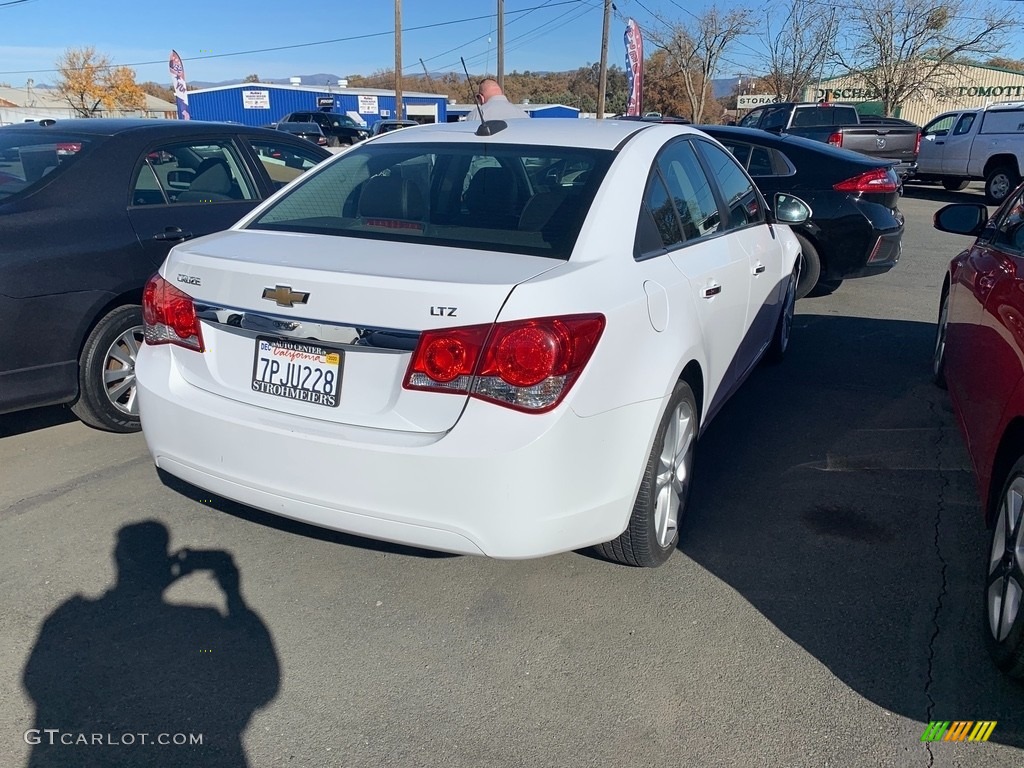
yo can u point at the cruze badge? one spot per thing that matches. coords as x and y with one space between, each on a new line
284 296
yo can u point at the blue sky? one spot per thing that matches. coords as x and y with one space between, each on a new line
539 35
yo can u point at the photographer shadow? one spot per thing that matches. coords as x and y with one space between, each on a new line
130 679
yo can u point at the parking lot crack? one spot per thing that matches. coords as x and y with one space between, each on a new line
939 508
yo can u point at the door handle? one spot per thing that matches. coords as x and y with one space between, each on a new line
172 233
985 282
760 268
711 290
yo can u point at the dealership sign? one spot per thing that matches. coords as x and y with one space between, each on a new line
755 100
368 105
256 99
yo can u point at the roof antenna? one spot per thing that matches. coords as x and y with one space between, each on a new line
487 128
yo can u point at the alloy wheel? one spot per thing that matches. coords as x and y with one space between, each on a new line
674 469
1005 584
119 370
938 356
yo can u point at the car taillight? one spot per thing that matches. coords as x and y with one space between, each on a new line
875 180
836 139
321 140
917 144
528 365
169 316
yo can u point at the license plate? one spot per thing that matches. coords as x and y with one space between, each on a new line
297 370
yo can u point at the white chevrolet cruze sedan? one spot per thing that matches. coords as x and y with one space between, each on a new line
499 339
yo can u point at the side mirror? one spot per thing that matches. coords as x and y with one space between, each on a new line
961 218
788 209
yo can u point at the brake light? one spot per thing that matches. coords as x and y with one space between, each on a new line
836 139
170 316
527 365
917 144
875 180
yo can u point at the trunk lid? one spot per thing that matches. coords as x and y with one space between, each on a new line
325 306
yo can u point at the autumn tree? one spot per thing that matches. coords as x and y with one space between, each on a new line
251 78
695 47
1016 65
798 38
164 92
88 81
664 88
901 48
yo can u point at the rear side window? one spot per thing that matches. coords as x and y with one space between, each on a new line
739 194
29 160
518 199
283 162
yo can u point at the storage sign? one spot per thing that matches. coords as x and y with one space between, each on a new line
256 99
755 100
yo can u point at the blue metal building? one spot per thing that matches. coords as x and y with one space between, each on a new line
457 112
259 104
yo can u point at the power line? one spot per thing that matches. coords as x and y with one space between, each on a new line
309 45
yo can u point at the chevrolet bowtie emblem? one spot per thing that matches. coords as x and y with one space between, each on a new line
284 296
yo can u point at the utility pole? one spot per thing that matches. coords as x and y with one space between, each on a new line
602 77
430 83
501 44
399 114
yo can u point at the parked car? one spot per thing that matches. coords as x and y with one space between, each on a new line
461 317
340 130
840 125
974 145
979 356
308 131
88 211
384 126
856 227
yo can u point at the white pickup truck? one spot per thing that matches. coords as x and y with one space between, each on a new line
974 145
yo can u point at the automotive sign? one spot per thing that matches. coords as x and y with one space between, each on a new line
367 105
256 99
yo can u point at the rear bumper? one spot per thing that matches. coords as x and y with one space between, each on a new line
500 483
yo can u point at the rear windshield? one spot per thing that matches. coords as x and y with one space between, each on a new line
512 198
27 159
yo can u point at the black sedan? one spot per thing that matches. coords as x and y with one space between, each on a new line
308 131
88 211
856 227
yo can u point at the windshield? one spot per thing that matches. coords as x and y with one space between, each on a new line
511 198
26 158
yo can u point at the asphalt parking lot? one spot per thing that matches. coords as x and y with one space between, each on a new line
824 605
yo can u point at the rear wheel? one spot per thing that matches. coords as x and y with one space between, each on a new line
810 268
939 354
332 141
1004 581
653 530
999 183
953 184
106 372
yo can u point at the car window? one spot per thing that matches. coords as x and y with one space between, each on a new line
939 126
751 119
775 119
284 162
659 226
740 195
450 194
207 172
1009 230
963 125
690 190
27 160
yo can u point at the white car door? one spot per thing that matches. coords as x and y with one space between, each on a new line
717 285
956 151
933 143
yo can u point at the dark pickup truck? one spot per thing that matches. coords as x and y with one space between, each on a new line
839 125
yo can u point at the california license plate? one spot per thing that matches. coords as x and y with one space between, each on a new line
297 370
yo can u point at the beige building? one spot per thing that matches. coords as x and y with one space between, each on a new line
18 105
963 87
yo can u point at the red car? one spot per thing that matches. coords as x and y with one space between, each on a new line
979 357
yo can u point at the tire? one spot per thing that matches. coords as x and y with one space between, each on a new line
939 350
1004 578
652 533
810 269
784 326
1000 182
953 184
106 372
332 141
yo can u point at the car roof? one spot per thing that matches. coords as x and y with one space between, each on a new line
111 126
542 131
787 141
